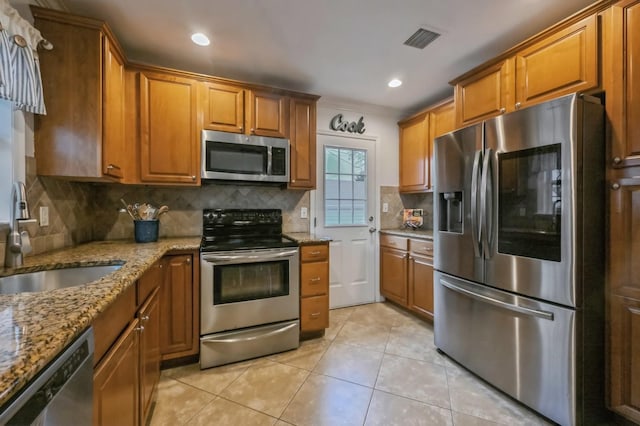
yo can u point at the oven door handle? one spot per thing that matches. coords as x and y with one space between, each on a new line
238 258
249 338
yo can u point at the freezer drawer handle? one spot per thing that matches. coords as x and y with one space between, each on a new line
498 303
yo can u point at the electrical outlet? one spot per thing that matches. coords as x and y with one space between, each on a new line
385 207
303 212
44 216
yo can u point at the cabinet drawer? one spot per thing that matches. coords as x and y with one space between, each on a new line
314 279
149 282
314 253
108 325
423 247
314 313
394 241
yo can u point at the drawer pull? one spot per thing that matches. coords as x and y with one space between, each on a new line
315 315
315 280
315 253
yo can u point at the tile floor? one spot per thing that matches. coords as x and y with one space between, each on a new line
376 365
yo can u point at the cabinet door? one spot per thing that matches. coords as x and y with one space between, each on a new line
562 63
485 94
393 274
421 285
116 382
149 318
223 107
442 119
267 114
625 357
621 79
302 135
169 138
113 141
414 154
178 312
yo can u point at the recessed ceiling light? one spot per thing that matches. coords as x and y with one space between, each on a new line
395 83
200 39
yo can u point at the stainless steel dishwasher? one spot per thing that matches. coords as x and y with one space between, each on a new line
62 394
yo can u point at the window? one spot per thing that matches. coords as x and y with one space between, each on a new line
16 138
345 186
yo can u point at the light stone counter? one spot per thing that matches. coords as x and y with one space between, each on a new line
306 238
425 234
35 327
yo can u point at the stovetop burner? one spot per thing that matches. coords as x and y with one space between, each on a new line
242 229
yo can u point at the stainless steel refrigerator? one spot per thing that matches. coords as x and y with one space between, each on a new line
519 252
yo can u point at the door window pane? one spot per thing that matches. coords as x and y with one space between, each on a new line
345 183
530 203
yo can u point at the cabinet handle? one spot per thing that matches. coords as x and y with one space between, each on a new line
503 110
188 261
140 329
193 177
617 160
615 186
314 253
112 166
428 249
518 105
240 128
145 318
253 130
316 279
315 315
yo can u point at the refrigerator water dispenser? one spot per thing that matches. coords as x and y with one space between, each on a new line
451 212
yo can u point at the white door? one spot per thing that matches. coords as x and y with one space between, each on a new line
344 208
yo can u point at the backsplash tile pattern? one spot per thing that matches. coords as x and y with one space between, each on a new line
397 202
185 207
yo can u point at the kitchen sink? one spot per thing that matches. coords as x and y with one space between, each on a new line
53 279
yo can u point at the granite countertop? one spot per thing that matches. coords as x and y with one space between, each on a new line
306 238
35 327
425 234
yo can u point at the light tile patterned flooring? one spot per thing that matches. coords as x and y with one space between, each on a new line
376 365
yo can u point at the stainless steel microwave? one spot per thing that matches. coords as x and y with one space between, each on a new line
236 157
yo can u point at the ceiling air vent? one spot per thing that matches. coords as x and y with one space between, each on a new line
421 38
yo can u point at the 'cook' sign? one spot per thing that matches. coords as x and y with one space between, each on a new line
339 125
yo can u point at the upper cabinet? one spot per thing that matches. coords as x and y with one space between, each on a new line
268 114
484 94
302 133
414 153
223 107
563 63
442 118
560 61
169 134
621 80
82 135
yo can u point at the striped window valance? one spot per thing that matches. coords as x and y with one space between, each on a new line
20 80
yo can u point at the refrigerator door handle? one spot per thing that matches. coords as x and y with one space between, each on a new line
486 203
499 303
475 229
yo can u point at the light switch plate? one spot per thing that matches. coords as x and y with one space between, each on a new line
303 213
44 216
385 207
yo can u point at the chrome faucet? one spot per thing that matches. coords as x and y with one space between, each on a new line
18 239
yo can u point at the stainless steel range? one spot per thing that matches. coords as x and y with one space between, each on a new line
249 299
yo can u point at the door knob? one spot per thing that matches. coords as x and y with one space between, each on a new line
372 229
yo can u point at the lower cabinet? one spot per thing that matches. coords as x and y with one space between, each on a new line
406 273
314 288
149 320
180 306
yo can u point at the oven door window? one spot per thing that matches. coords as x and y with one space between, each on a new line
250 281
236 158
530 203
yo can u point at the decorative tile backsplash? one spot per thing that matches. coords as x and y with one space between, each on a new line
397 202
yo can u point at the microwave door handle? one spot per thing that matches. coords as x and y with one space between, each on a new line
474 204
486 202
499 303
269 161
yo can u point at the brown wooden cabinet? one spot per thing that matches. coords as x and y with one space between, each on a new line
393 268
180 306
302 133
82 135
267 114
314 288
169 133
149 320
563 63
442 118
624 298
406 273
621 81
485 94
223 107
414 154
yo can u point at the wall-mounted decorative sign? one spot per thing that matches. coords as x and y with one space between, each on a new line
339 125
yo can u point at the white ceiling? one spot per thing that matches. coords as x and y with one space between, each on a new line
343 50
